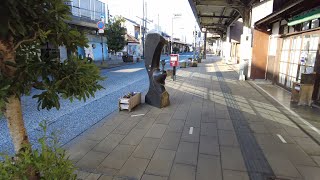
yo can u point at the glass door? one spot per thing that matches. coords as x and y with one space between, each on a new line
293 63
284 61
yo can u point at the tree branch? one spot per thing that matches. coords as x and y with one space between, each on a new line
26 40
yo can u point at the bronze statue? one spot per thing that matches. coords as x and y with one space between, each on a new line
157 95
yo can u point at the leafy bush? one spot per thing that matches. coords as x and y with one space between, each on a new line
50 162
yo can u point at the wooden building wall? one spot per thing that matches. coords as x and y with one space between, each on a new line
259 54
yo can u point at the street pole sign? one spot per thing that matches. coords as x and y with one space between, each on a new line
101 26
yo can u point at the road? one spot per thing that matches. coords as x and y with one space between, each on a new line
74 118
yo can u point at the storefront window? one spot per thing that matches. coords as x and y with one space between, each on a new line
298 56
294 61
308 54
284 60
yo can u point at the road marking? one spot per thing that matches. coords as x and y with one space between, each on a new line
292 112
137 115
282 139
191 130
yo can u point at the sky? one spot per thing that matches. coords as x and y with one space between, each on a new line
164 9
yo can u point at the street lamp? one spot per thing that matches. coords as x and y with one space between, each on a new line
173 17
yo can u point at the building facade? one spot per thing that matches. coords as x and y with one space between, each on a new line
133 37
85 15
286 45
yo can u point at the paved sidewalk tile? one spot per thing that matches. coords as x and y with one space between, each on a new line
209 167
209 129
309 172
281 166
134 167
161 162
170 140
126 126
146 148
232 159
77 151
97 134
91 160
187 153
118 157
134 137
152 177
187 137
116 120
182 171
163 118
105 177
228 138
225 124
108 144
93 176
146 123
176 125
209 145
81 174
232 175
180 114
156 131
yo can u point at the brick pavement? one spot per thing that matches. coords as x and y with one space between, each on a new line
235 136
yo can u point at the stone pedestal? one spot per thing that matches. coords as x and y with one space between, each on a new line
157 95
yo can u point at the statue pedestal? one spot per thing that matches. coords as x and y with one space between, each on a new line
158 100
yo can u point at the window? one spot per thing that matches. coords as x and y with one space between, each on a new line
284 61
285 30
314 23
306 25
298 56
293 63
308 54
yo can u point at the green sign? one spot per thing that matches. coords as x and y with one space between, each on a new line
305 16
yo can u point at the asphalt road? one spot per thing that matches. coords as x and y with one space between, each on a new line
74 118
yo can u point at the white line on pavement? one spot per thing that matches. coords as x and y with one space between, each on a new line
191 130
281 138
137 115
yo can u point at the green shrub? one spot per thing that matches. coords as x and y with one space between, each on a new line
49 162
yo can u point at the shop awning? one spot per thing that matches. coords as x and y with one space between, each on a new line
304 17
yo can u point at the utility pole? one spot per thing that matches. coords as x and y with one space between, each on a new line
108 14
158 25
195 42
205 45
143 29
173 17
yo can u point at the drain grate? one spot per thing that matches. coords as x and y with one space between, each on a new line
256 163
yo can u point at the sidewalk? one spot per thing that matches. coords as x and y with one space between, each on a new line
306 117
236 134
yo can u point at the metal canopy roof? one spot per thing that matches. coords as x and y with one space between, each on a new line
217 15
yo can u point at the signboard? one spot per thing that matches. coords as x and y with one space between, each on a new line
100 25
174 60
101 31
